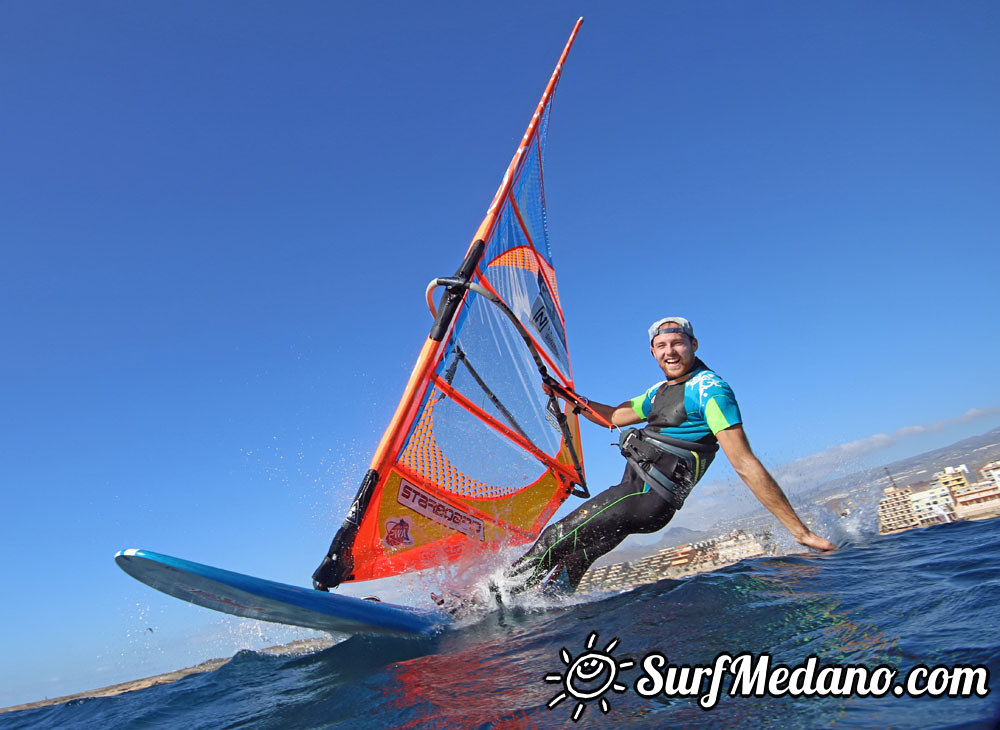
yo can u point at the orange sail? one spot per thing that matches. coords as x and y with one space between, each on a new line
477 456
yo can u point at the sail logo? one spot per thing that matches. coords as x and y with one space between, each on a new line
439 511
546 320
397 533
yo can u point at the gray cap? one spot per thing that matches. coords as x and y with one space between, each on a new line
681 325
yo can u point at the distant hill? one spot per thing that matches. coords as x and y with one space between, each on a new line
975 452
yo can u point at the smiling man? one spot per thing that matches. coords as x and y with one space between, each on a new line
688 416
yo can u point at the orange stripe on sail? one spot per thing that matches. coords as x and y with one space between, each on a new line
527 258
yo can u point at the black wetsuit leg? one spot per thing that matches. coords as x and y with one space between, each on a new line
594 528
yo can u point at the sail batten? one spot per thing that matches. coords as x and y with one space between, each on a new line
518 439
477 455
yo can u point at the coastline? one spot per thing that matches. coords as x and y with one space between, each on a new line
302 646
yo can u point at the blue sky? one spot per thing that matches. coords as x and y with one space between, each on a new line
217 222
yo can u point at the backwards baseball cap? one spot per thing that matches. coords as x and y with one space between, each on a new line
661 326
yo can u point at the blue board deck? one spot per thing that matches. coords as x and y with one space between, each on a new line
266 600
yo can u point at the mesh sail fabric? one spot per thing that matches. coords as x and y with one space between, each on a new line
472 461
520 267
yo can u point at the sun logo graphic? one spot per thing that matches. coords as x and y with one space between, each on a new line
589 676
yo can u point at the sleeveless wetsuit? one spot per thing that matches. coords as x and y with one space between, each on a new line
686 415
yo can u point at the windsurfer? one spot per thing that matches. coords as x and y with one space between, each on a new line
688 416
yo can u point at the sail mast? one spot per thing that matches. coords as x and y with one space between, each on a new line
504 190
396 519
394 436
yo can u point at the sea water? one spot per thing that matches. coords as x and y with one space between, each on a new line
919 602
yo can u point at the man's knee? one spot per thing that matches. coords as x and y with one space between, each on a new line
654 522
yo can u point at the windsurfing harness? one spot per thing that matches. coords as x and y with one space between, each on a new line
668 469
477 455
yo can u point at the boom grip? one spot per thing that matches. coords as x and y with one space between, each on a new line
454 294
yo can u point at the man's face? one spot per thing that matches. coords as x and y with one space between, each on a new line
674 353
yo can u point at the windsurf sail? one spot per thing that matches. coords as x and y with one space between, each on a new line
477 455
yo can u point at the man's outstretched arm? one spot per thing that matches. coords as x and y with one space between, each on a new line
734 442
620 415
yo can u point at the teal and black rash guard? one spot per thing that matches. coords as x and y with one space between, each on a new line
685 417
693 410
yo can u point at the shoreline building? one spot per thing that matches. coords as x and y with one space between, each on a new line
735 547
895 511
977 500
933 505
991 472
953 477
675 562
980 500
950 496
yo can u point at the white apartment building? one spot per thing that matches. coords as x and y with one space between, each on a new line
933 506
